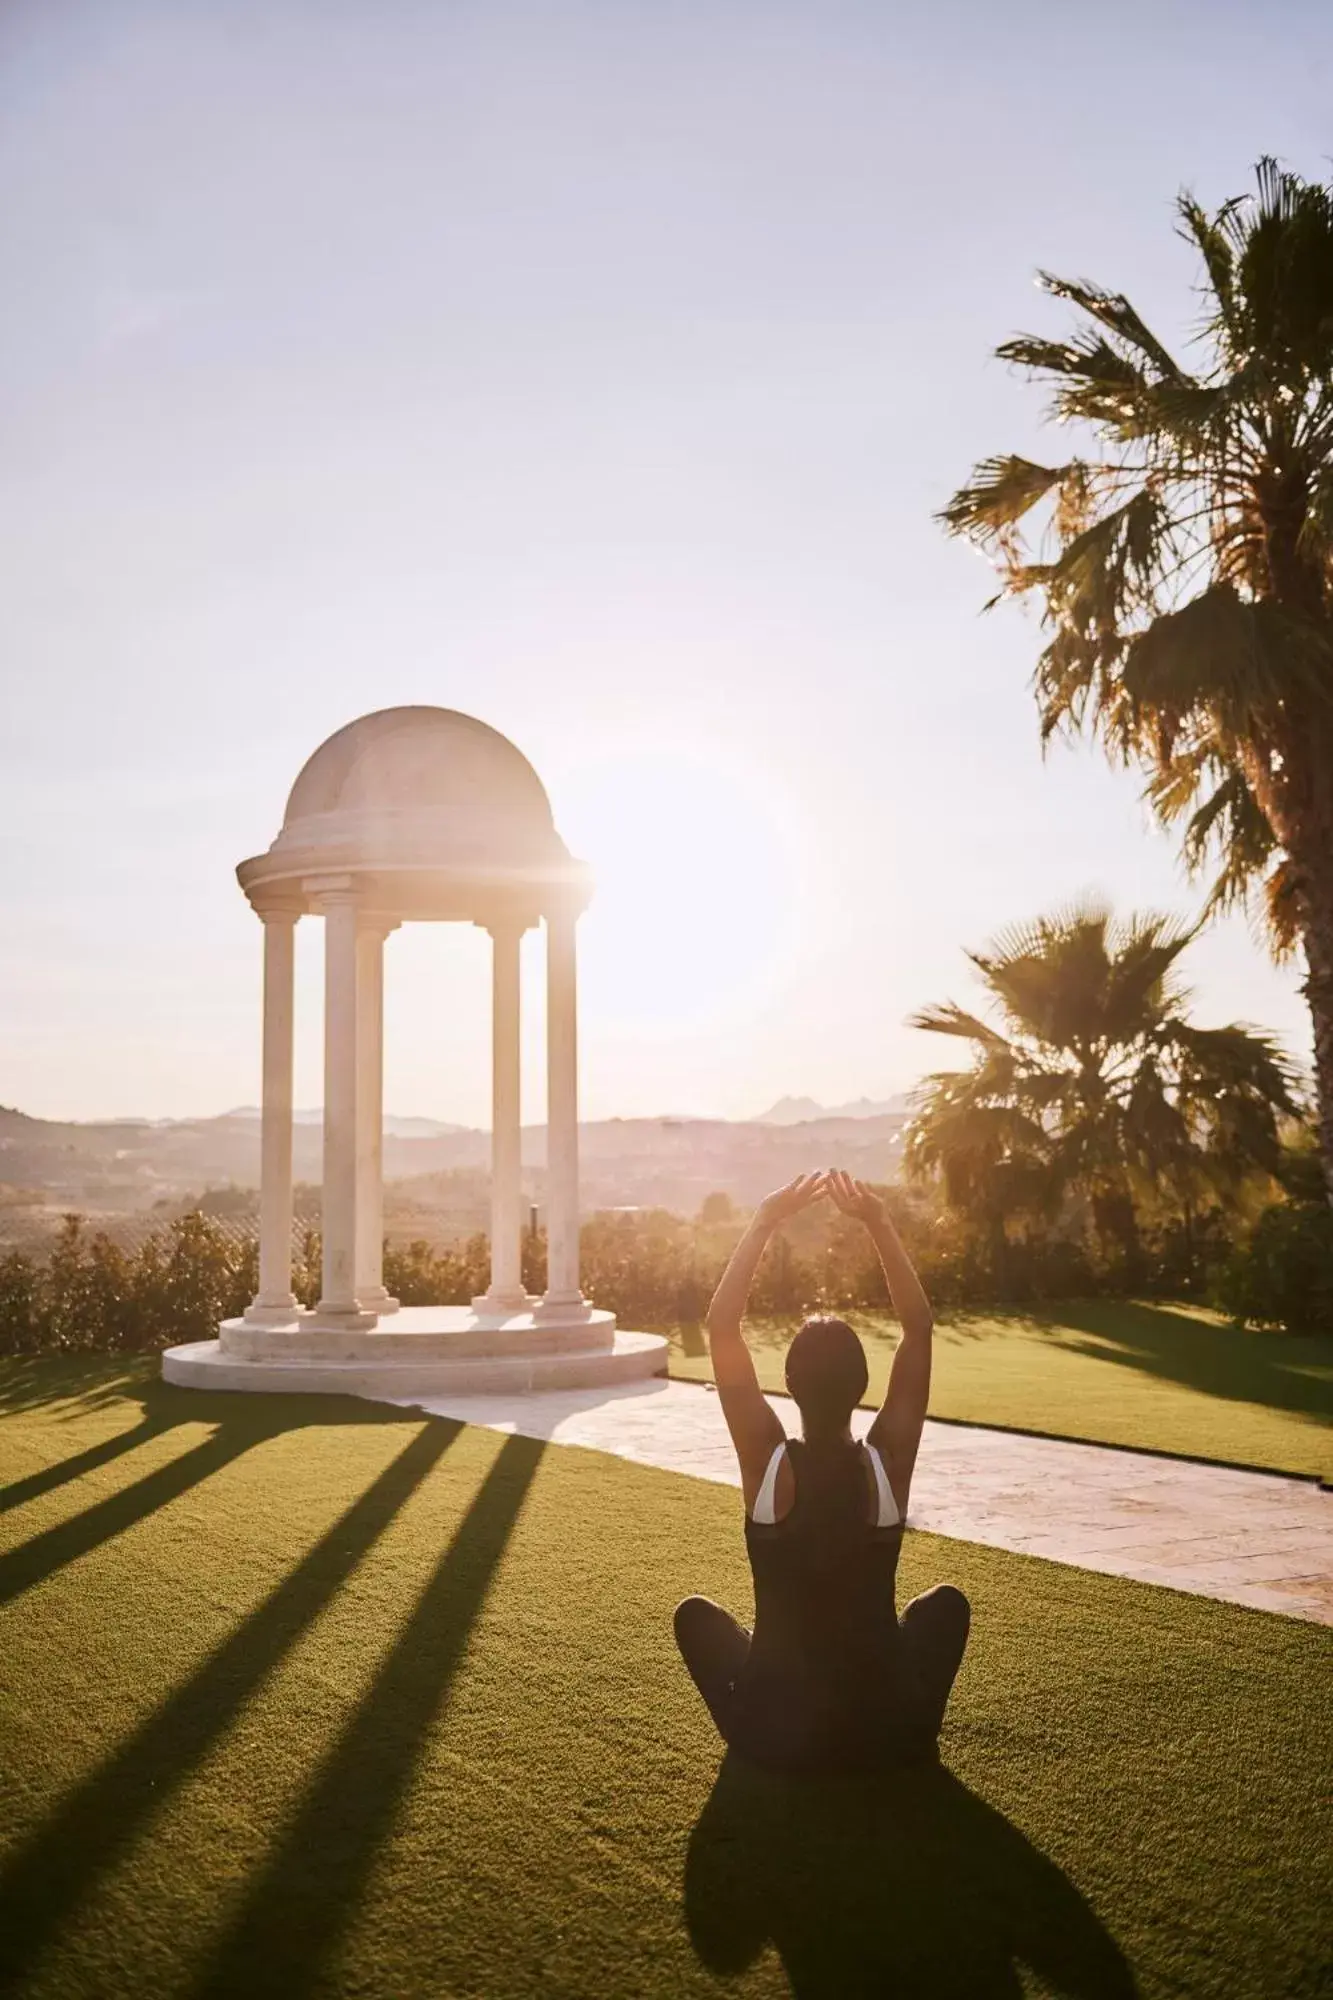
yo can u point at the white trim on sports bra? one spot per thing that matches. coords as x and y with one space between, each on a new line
888 1516
765 1503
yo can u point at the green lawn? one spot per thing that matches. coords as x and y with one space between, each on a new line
314 1697
1162 1378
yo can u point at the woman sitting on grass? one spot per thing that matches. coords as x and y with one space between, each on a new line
833 1679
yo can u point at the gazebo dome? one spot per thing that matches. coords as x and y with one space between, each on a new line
432 803
428 781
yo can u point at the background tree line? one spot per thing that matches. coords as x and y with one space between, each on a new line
1269 1265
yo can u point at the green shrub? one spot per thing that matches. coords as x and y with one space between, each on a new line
417 1275
19 1319
1282 1275
89 1295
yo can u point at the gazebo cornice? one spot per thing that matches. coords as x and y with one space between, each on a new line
418 892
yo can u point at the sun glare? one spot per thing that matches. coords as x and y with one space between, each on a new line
699 886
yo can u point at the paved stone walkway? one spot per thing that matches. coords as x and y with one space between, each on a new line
1252 1538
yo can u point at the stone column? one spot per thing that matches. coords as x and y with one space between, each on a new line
275 1300
506 1293
339 1305
371 933
563 1292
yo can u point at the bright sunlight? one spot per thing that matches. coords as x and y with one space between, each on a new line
700 886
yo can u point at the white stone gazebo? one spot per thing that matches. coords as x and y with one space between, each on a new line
414 815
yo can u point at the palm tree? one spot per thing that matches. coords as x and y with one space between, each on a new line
1092 1083
1183 559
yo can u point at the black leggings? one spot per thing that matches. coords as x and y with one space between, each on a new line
933 1631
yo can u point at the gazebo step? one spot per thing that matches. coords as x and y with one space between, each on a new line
630 1357
420 1333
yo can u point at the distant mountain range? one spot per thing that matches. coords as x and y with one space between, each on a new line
806 1111
395 1127
131 1166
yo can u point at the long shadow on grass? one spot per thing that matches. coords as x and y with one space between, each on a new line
909 1889
93 1825
82 1386
34 1484
1220 1361
310 1888
240 1421
33 1561
79 1383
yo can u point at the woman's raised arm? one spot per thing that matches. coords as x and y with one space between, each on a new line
896 1431
755 1431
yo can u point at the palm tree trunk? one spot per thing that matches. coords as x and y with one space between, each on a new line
1187 1220
1302 816
1318 991
1117 1226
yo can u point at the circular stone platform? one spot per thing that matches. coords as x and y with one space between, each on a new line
420 1350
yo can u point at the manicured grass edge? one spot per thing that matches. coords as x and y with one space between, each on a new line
1063 1437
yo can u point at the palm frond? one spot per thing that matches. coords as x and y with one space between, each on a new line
1285 270
949 1019
1283 916
1001 492
1053 991
1140 992
1316 536
1104 574
1173 787
973 1148
1229 815
1208 657
1113 311
1217 1061
1156 1130
1093 381
1236 1084
1210 236
1035 935
1073 687
1229 824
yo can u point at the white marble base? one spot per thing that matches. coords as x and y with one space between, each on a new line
421 1350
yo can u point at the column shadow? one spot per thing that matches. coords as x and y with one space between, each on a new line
81 1387
77 1383
309 1889
50 1477
45 1553
92 1825
909 1888
240 1422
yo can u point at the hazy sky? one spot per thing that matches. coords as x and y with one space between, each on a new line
594 369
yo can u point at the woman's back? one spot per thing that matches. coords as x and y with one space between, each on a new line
819 1678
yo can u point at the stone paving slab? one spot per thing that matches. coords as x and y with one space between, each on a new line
1253 1538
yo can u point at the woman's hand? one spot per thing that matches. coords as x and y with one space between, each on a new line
854 1198
776 1208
